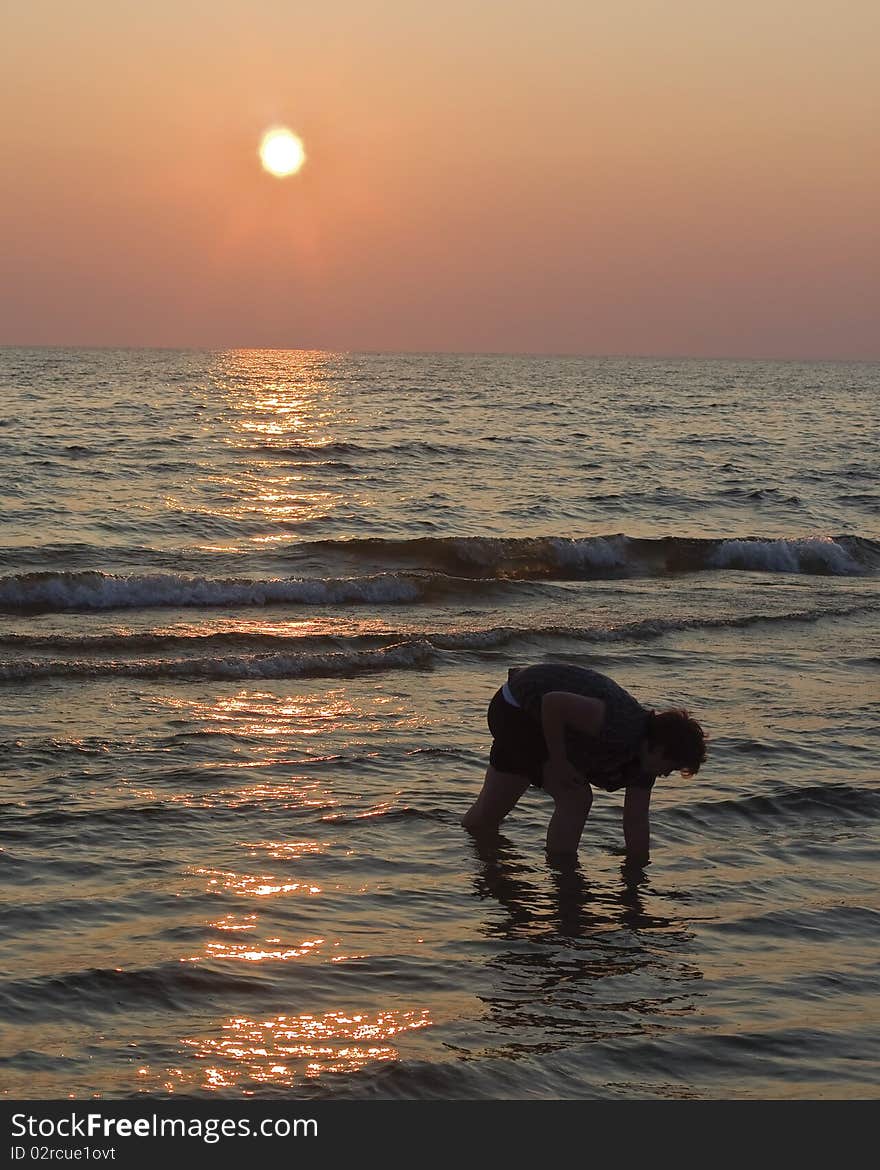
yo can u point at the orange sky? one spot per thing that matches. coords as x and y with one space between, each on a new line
673 177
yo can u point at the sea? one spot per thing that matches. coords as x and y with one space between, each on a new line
253 607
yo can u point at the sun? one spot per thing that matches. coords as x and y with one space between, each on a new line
281 152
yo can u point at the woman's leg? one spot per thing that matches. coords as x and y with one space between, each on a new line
573 803
501 791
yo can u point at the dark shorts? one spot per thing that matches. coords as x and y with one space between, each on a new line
518 744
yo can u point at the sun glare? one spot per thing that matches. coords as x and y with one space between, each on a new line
281 152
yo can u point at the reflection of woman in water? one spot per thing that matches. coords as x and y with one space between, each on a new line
577 909
563 728
573 963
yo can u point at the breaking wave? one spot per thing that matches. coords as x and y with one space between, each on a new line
536 558
50 592
411 571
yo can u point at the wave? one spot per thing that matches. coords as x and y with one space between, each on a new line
92 590
840 800
20 824
820 555
171 985
153 642
562 558
321 452
298 657
72 576
388 815
416 655
426 568
772 495
637 631
830 922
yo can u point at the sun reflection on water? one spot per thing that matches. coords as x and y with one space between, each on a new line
267 714
252 953
256 713
284 1050
281 412
295 794
230 922
291 393
251 885
285 850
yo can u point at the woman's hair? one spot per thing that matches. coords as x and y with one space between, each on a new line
680 736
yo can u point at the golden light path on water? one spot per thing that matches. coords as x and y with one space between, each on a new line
271 420
294 400
282 414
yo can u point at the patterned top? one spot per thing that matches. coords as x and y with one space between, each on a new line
610 759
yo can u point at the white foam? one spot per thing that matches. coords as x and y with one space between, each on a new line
805 555
599 552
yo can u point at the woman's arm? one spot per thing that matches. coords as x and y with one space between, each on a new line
559 710
637 825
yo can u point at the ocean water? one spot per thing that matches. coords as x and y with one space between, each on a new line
253 606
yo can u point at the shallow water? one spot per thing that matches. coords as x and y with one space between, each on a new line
252 608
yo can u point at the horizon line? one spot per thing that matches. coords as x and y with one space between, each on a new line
354 352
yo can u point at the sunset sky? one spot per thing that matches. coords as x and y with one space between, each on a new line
667 177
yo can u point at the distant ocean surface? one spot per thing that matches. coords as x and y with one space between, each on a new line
253 606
